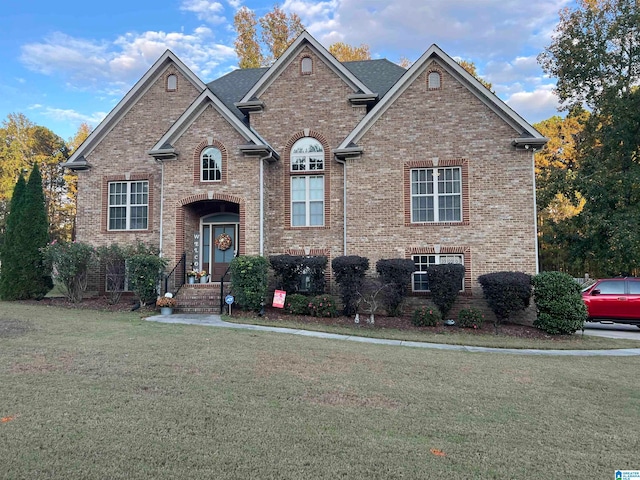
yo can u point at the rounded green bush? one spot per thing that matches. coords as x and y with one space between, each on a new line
558 299
297 304
470 318
426 317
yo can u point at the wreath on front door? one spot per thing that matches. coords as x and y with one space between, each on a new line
223 241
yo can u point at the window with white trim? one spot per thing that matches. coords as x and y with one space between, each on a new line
211 165
419 279
128 205
436 194
307 191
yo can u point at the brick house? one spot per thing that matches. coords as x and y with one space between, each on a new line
315 157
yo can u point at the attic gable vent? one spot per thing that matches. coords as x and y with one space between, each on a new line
172 82
306 66
434 80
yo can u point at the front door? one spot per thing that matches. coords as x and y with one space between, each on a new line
218 248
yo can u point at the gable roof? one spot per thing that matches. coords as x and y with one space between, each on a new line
305 40
506 113
165 60
164 146
378 75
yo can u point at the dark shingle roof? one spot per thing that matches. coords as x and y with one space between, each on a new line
378 75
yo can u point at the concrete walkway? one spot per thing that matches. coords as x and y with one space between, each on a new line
216 321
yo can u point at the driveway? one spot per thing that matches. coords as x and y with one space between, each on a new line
612 330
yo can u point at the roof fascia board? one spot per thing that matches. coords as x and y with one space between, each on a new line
137 91
289 55
195 110
436 53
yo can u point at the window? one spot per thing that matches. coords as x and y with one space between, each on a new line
307 191
419 280
436 195
128 205
172 82
306 66
211 165
433 80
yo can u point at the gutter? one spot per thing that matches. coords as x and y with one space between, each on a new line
341 156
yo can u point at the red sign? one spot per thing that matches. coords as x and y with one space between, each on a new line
278 298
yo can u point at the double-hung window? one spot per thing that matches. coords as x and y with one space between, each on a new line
307 183
128 205
419 279
436 194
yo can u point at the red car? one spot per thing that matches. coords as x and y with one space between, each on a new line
614 299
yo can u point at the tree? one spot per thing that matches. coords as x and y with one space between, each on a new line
349 53
558 202
595 56
470 67
278 31
37 279
246 43
10 255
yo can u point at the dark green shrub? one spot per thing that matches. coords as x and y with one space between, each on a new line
470 318
323 306
289 270
506 293
395 273
426 317
445 283
144 271
297 304
558 299
349 272
71 262
249 278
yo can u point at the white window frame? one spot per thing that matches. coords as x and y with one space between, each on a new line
438 259
438 197
128 205
218 162
307 156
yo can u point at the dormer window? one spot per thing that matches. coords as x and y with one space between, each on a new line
434 80
306 66
172 82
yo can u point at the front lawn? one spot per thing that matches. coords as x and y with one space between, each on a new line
87 394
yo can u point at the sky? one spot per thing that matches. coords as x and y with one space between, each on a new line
68 62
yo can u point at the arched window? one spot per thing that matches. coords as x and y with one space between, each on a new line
211 165
434 80
307 183
172 82
306 66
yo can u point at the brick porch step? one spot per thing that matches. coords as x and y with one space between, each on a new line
199 298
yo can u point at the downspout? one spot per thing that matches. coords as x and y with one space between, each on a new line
344 204
262 160
161 204
535 210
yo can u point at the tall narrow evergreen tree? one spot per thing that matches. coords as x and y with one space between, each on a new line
11 271
36 236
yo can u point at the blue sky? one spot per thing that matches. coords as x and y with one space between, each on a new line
68 62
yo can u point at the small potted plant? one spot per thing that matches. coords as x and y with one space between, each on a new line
192 275
166 304
202 275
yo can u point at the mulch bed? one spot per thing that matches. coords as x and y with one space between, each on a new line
381 322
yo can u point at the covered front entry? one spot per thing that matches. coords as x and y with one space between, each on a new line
219 233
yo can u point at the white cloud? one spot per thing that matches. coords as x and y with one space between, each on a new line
69 115
205 10
112 67
536 105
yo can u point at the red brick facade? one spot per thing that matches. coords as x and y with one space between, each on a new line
420 127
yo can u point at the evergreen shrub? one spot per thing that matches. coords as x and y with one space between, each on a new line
506 293
249 278
445 282
395 273
558 299
349 272
426 317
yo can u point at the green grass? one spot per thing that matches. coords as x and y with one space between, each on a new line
456 336
104 395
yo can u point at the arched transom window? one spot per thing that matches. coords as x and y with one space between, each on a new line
211 165
307 183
